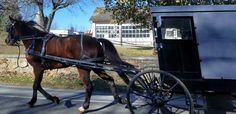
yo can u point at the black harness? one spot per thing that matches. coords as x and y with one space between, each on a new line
42 54
32 51
31 48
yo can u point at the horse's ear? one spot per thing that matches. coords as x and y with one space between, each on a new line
12 19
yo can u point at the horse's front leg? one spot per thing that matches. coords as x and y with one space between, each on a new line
85 78
38 73
48 96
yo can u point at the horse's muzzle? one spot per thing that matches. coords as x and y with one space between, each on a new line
10 42
7 41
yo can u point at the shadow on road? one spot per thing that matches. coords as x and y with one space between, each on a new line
68 104
100 108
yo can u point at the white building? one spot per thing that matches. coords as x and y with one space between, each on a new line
62 32
126 34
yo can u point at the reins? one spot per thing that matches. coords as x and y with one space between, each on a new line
30 38
18 58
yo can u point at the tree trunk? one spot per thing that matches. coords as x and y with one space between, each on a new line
40 13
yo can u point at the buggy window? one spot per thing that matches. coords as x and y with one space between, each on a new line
173 28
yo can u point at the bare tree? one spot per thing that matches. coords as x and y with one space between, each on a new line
46 21
4 5
54 26
1 6
31 8
8 8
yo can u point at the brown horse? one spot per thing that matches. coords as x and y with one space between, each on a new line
73 47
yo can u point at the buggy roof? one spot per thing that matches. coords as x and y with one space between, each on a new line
196 8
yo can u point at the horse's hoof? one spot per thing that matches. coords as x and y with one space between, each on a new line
81 109
56 99
122 100
30 104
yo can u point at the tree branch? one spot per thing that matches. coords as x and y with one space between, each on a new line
59 4
56 5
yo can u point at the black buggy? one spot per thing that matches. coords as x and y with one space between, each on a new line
195 46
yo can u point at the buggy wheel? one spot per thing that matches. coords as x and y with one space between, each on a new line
152 67
158 92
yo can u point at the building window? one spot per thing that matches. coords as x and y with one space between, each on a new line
99 35
107 31
127 31
134 32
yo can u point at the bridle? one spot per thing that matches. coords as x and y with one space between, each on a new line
16 38
12 39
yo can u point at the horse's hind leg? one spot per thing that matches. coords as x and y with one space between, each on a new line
112 85
124 77
85 78
38 73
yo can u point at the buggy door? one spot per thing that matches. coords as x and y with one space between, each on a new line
177 46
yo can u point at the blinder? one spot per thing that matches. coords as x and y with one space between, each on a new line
8 28
11 39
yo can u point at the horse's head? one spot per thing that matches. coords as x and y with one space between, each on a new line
18 29
14 32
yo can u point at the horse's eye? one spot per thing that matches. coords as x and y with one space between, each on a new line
7 28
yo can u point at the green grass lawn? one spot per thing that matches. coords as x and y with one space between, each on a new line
135 52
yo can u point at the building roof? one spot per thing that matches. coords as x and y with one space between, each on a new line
100 15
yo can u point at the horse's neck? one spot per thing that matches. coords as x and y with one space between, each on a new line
27 43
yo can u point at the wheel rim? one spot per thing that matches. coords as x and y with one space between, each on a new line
158 92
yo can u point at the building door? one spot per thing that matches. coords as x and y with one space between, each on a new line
177 47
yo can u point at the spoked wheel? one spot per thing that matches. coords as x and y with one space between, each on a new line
158 92
153 67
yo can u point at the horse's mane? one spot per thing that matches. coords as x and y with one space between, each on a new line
34 26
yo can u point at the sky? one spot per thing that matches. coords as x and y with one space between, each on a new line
77 16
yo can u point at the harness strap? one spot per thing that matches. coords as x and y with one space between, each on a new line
31 47
82 55
93 59
43 48
45 40
81 45
30 37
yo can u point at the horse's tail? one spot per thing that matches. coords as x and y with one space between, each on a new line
112 55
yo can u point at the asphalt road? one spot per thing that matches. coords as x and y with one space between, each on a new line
13 100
